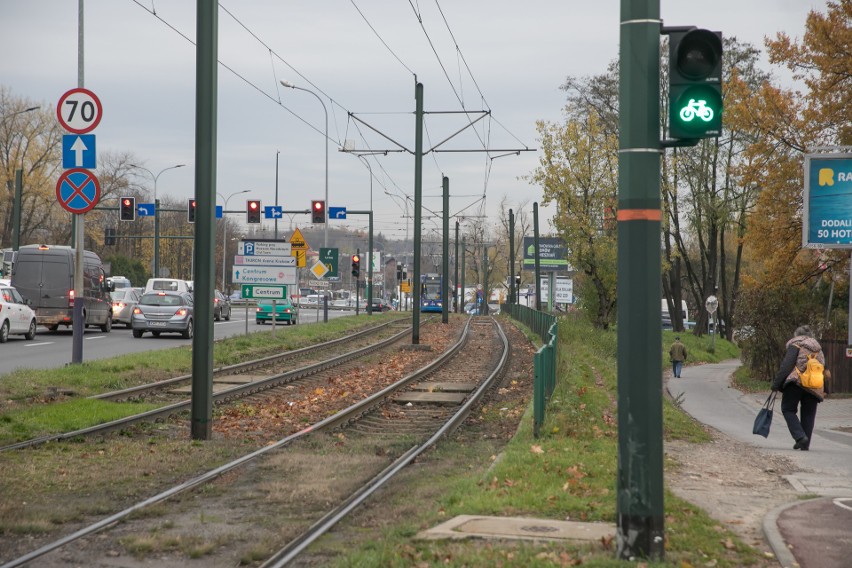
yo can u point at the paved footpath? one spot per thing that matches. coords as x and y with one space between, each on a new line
813 533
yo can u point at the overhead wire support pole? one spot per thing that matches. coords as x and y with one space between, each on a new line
418 202
640 531
445 277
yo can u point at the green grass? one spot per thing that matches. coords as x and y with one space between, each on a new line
569 472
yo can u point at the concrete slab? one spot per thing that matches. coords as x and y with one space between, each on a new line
187 390
238 379
444 387
440 398
517 528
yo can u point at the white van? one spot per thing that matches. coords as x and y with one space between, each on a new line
167 285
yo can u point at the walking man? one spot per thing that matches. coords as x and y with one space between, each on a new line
677 353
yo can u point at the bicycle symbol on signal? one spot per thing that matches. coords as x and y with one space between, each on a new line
696 108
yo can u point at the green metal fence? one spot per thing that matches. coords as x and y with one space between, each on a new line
546 326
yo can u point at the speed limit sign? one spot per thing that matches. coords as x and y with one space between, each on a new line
79 111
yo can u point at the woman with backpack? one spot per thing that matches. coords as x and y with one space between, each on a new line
803 365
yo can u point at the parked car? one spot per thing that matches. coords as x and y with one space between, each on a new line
16 316
164 312
221 306
285 310
380 305
123 302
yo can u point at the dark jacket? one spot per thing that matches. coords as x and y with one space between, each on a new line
795 358
677 352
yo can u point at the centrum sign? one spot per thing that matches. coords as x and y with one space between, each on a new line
551 253
263 292
827 219
263 274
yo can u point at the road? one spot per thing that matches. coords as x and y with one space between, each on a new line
50 350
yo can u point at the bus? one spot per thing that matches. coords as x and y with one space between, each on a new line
431 290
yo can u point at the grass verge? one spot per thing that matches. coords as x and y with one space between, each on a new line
567 473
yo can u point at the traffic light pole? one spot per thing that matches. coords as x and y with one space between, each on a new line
511 257
445 287
156 238
639 501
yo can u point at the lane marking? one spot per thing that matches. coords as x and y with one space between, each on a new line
39 344
839 502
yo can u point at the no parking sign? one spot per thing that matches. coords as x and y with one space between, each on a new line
78 190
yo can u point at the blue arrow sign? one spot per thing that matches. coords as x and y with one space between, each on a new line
219 211
273 211
78 151
337 212
146 209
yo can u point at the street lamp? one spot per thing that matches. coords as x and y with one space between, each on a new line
225 232
292 86
156 213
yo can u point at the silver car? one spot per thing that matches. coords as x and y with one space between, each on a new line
163 312
123 302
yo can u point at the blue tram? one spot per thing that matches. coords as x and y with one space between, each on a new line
431 291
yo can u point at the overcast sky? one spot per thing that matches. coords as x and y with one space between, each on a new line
509 57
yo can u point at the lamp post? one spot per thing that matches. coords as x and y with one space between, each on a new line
225 231
292 86
156 213
19 189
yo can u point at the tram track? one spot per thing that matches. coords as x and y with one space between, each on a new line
349 421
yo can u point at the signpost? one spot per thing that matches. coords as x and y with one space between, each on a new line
265 260
551 253
263 248
78 151
78 191
329 257
263 274
337 212
255 291
79 111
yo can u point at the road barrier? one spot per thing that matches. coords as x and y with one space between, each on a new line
546 326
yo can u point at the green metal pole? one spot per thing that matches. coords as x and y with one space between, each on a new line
461 289
511 257
370 268
639 506
418 202
445 276
485 292
16 209
205 216
537 259
157 236
456 279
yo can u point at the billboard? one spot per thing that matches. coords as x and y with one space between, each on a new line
551 252
827 214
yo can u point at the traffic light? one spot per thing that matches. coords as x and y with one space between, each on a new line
318 211
399 273
253 211
517 281
127 207
356 265
695 83
190 211
109 236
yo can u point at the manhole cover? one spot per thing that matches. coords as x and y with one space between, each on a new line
539 529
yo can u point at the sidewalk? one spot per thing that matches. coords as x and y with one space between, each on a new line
812 533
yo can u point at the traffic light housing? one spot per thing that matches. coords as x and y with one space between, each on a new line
253 211
109 237
318 211
695 83
399 273
356 265
190 211
127 208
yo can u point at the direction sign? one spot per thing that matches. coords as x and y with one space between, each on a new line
337 212
78 190
297 241
273 212
319 269
264 248
329 256
79 111
78 151
265 260
264 274
146 209
263 292
220 211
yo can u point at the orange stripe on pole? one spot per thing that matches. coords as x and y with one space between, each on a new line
639 215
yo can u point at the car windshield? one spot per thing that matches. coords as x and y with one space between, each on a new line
158 300
277 302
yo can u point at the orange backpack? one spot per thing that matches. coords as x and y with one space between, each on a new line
812 377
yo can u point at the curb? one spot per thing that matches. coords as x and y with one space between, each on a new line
776 541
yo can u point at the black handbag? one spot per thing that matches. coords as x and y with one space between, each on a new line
764 418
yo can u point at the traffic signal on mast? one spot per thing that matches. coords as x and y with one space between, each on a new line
253 211
695 83
190 211
127 209
318 211
356 265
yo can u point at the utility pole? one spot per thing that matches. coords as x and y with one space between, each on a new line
639 505
418 202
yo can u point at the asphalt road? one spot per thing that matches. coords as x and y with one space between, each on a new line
51 350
